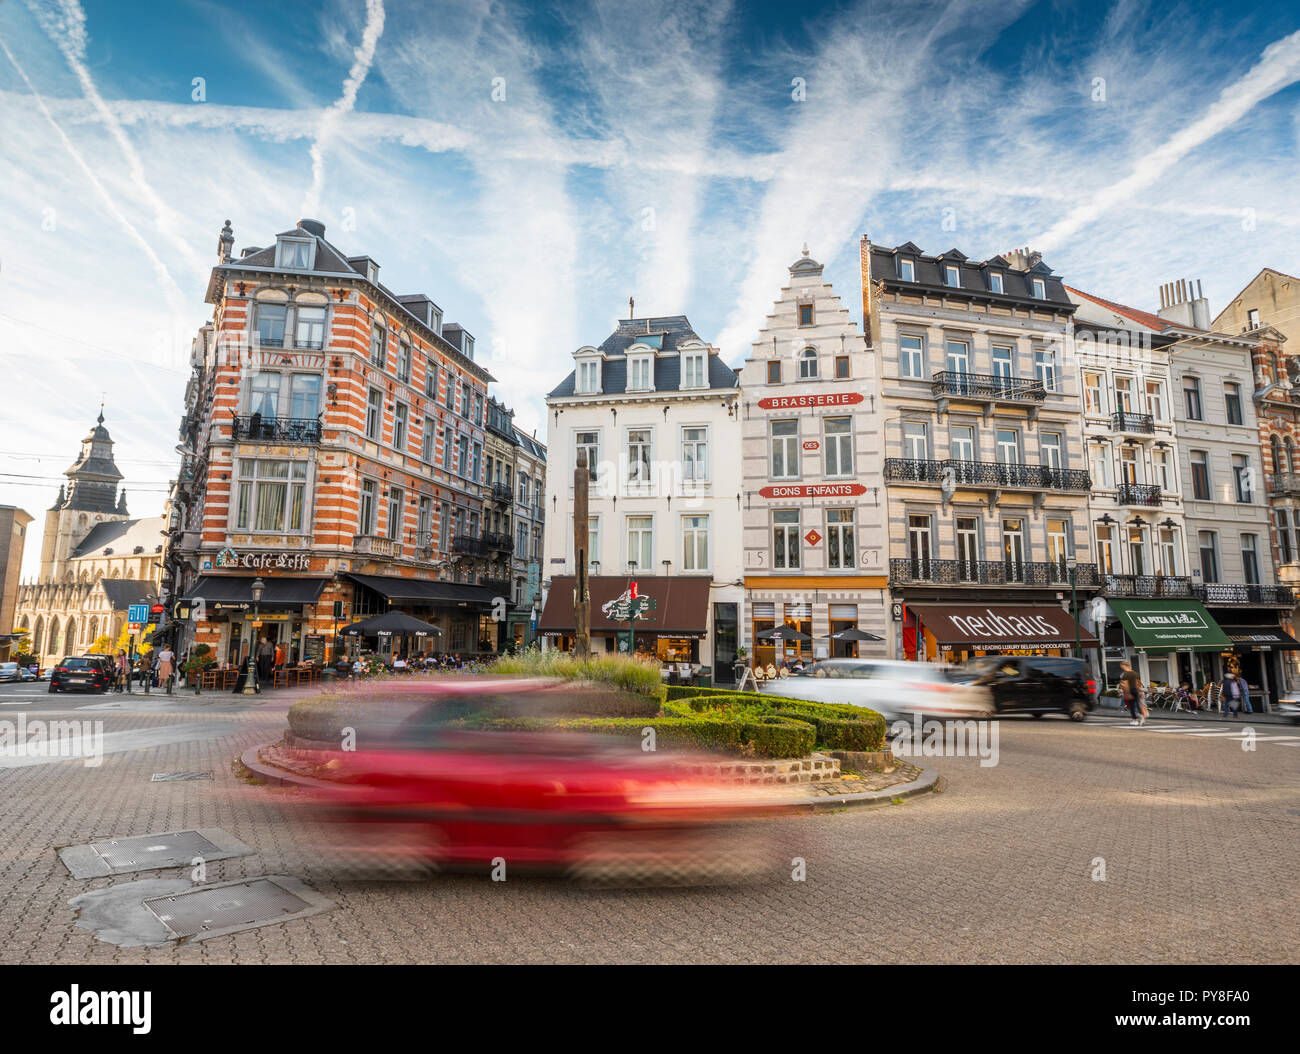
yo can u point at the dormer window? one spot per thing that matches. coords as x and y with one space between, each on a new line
995 281
1040 289
952 276
588 377
907 269
693 370
805 314
640 373
295 253
468 346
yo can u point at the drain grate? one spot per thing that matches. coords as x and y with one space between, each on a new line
231 906
145 852
177 777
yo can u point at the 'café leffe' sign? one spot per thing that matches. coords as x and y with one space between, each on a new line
263 561
803 402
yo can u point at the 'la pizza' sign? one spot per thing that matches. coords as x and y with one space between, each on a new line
803 402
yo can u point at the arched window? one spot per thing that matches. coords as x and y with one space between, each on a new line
52 645
808 363
1290 455
93 634
38 637
1276 449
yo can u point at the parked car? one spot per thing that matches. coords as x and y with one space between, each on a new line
32 673
1034 684
889 687
84 673
10 671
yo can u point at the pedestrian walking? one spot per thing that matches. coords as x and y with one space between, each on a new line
1233 686
1245 694
145 670
166 666
123 671
1130 689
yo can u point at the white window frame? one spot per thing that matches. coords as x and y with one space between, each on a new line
694 370
695 535
911 361
995 282
696 454
788 444
1039 288
841 530
841 444
247 495
281 256
906 269
952 276
645 536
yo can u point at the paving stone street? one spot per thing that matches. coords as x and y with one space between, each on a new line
1198 837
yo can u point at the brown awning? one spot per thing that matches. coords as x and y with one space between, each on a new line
989 626
682 608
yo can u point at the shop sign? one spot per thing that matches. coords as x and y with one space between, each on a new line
811 444
812 537
264 560
814 490
802 402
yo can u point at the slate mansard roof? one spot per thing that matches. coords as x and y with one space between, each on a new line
1016 281
673 331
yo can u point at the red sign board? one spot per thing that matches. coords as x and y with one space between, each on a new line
813 490
157 609
812 537
800 402
811 444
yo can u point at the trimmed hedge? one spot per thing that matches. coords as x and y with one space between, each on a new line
838 724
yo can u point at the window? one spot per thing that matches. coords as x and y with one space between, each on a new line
968 551
1192 398
693 370
449 392
1008 446
1168 552
1105 548
1137 537
805 314
838 440
995 281
808 364
523 488
1124 394
1242 478
374 413
1128 465
695 543
395 512
264 395
1045 368
1252 318
1058 543
399 427
476 468
1013 546
639 380
785 449
448 446
785 538
427 440
962 443
366 508
590 442
431 380
952 276
911 357
774 371
1040 289
841 367
640 542
404 362
466 400
1099 465
588 378
1208 543
1250 558
295 254
907 269
1200 474
270 325
304 396
918 545
462 455
1283 521
695 454
958 360
310 327
916 440
1093 399
1049 444
638 455
593 540
272 495
1232 402
1003 357
840 546
1164 466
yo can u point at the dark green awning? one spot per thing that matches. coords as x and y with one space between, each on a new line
1170 625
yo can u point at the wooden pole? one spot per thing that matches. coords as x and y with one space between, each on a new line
581 589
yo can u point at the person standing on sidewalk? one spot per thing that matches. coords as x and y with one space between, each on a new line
123 672
166 663
1245 693
1130 689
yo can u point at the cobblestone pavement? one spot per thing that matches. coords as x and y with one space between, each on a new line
1198 836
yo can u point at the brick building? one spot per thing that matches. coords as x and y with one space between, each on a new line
333 447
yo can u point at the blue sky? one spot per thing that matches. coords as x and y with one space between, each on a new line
682 156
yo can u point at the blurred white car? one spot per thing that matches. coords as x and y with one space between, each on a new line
887 686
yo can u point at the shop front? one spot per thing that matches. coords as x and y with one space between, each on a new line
235 619
462 615
1166 642
1259 654
953 633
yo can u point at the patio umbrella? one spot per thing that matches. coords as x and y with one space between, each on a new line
390 622
852 633
784 633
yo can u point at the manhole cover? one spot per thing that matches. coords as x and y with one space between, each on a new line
176 777
231 906
145 852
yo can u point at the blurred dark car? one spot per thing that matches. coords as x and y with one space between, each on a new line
82 673
1034 684
590 806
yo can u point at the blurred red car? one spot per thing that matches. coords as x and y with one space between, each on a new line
591 806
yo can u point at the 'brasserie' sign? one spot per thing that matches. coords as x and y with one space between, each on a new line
801 402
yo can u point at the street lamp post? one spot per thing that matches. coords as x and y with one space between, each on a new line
1072 565
251 687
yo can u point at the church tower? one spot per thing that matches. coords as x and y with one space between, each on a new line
91 497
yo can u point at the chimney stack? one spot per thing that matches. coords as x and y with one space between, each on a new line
1183 303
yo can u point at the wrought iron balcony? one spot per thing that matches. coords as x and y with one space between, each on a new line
985 474
277 429
500 543
1140 424
1224 593
376 545
1138 494
1284 483
308 345
1147 586
467 545
985 387
909 570
501 492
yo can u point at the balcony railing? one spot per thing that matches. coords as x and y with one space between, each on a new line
905 570
270 342
1223 593
1284 483
501 492
985 474
1138 494
986 387
500 543
376 545
1147 586
499 587
467 544
277 429
1141 424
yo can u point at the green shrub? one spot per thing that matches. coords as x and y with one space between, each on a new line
840 726
686 691
618 671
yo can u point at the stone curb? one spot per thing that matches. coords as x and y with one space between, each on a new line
278 777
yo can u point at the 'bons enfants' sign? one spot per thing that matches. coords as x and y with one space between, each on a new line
813 490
